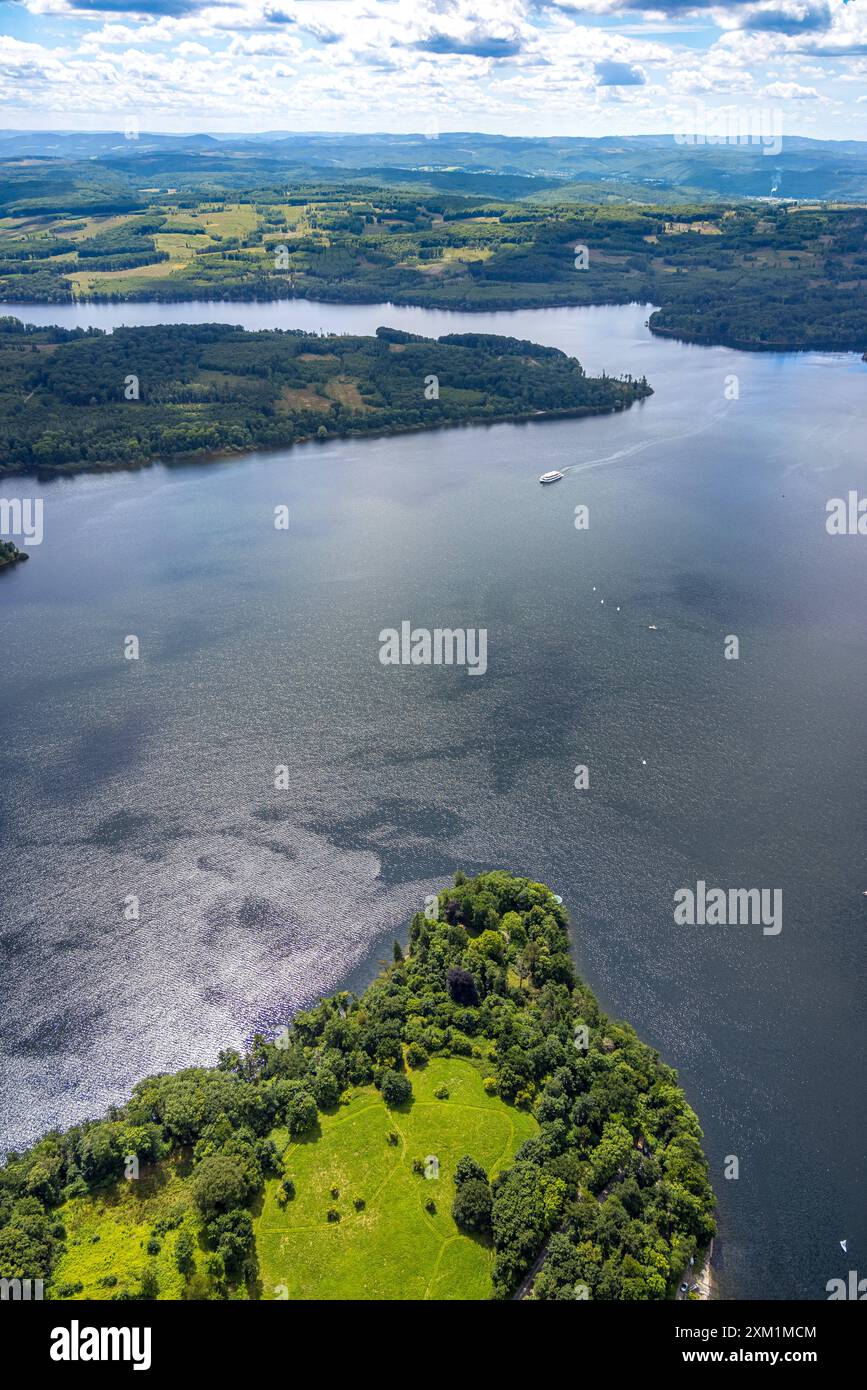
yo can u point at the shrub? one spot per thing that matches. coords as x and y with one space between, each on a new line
393 1137
442 1092
153 1246
358 1203
333 1214
431 1206
490 1085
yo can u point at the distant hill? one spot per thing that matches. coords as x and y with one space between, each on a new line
619 167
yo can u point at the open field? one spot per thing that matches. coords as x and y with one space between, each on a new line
107 1235
393 1248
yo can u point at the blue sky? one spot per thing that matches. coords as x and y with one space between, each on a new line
534 67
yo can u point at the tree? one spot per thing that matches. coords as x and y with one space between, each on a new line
232 1236
473 1206
301 1113
184 1253
219 1184
396 1089
416 1055
326 1089
518 1223
19 1256
397 952
461 986
468 1169
610 1155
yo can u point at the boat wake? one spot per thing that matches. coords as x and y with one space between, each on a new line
639 448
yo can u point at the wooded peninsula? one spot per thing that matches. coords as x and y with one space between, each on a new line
75 399
472 1126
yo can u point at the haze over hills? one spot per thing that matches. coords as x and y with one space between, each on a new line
636 168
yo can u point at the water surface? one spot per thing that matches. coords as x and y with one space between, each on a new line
260 648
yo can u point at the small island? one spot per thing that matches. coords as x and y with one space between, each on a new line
10 554
473 1126
75 399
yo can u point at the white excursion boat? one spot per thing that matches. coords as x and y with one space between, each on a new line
552 477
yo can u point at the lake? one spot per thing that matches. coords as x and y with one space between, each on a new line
154 779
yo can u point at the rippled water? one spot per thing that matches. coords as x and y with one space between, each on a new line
258 648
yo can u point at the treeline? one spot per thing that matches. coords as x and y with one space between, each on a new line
613 1191
83 399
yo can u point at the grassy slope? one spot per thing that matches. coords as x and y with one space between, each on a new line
393 1249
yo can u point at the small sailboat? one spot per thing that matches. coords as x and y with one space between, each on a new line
553 477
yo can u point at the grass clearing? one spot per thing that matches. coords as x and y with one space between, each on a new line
234 220
345 390
304 398
392 1248
107 1235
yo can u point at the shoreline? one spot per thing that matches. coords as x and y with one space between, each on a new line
516 305
209 456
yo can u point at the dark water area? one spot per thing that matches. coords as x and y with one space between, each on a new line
259 647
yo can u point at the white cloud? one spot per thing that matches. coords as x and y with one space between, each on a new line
789 91
516 65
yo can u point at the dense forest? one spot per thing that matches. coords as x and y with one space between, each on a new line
609 1199
73 399
767 275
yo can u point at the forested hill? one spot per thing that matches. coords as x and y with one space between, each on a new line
472 1116
75 399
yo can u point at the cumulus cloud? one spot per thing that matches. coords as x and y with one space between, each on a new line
479 45
521 66
613 74
789 91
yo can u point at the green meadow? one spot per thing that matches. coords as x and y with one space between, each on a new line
392 1248
107 1235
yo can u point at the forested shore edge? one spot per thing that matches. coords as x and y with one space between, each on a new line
187 1190
82 399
